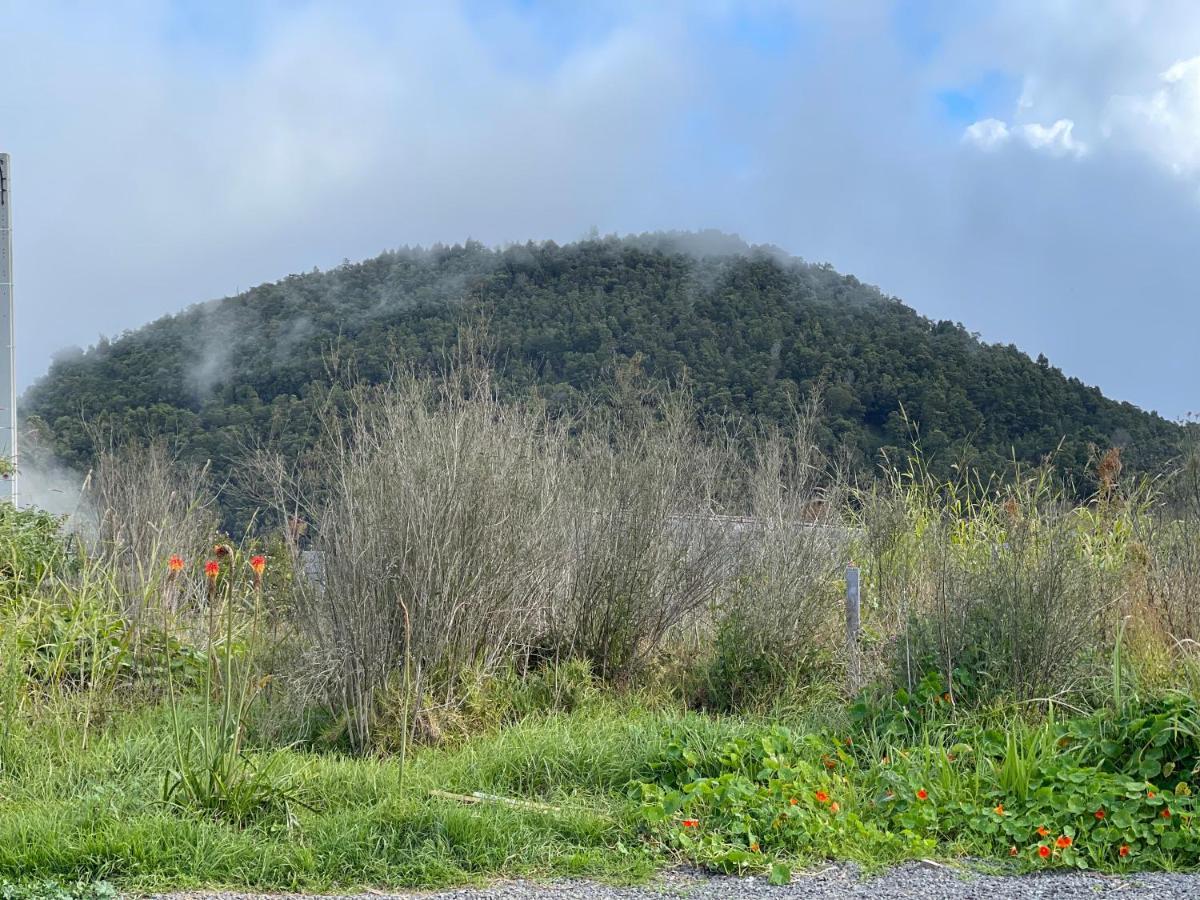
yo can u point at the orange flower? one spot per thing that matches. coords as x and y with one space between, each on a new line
922 794
175 563
1064 841
1166 813
998 809
1099 815
1012 851
754 846
1043 831
258 564
833 807
1149 793
830 762
212 569
1043 851
690 823
1124 851
793 801
822 797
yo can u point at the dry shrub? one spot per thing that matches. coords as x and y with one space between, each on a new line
781 611
460 536
143 505
1173 565
647 550
436 555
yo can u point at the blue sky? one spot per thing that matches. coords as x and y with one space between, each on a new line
1030 168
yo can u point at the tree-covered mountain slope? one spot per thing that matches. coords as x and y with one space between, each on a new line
752 330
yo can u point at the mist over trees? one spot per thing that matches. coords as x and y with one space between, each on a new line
751 331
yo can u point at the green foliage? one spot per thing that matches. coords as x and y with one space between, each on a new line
214 773
1047 795
31 542
751 332
53 890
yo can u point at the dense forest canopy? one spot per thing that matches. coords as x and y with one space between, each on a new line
751 330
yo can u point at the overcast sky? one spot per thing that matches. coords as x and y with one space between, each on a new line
1030 168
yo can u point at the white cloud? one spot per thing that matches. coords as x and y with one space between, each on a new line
1165 123
987 133
1057 139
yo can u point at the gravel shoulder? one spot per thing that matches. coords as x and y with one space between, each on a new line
916 880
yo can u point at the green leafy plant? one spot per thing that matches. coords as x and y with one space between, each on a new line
214 772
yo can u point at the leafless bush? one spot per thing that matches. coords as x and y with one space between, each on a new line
1173 563
145 507
647 549
792 548
436 555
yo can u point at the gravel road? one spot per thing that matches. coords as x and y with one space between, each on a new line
909 882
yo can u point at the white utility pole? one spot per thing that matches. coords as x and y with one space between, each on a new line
8 369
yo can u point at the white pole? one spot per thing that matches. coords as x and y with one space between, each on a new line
8 371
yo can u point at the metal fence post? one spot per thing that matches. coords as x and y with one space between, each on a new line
853 625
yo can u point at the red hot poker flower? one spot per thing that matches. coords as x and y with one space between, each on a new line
212 569
258 564
175 563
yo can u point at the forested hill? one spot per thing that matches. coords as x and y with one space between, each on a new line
752 328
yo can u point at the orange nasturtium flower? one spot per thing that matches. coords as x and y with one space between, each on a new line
1100 814
793 801
1124 851
1064 841
1012 851
258 564
212 569
690 823
1166 813
822 797
922 794
1043 831
754 846
833 807
998 809
175 563
1043 851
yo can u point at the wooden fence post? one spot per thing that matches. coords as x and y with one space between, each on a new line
853 625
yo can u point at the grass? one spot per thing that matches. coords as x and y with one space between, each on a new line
76 814
98 813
